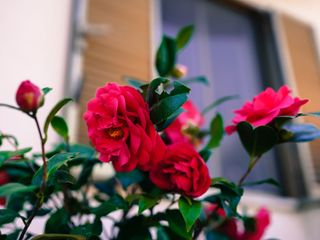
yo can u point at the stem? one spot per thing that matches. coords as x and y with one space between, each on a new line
251 165
40 196
27 224
15 108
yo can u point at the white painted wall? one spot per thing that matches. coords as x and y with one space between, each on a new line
34 37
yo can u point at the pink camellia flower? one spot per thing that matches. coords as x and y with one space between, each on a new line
267 106
230 228
29 96
120 128
182 170
4 178
191 117
262 220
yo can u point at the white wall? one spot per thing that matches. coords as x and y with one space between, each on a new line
34 37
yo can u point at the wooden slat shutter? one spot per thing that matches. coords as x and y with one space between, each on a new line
302 60
124 50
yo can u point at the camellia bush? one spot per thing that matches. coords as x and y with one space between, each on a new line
153 136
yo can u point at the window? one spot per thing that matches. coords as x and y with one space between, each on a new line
235 48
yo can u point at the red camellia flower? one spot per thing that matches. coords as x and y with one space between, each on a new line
267 106
120 128
182 170
29 97
4 178
191 117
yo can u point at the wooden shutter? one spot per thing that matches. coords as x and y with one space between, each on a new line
303 66
124 50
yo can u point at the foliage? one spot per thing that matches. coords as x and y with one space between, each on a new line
44 184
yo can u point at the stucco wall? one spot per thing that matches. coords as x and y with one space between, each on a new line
33 45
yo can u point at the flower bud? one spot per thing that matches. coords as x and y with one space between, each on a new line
29 96
179 71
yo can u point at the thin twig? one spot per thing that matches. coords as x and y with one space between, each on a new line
40 196
251 165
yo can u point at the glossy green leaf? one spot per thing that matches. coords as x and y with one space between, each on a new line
89 230
59 237
11 188
184 36
152 95
52 113
61 176
146 202
116 202
162 234
229 196
166 56
177 224
60 126
218 102
190 211
128 178
256 141
58 222
46 90
216 132
167 107
7 216
199 79
53 164
270 181
5 155
134 82
163 125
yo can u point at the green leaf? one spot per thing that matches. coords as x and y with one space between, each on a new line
7 216
184 36
61 176
51 115
46 90
256 141
199 79
166 56
205 154
89 230
190 211
218 102
177 224
11 188
59 237
134 82
54 163
216 132
270 181
229 196
161 234
152 96
58 222
114 203
167 107
61 127
163 125
128 178
146 202
6 155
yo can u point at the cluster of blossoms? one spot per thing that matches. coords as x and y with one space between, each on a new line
120 129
